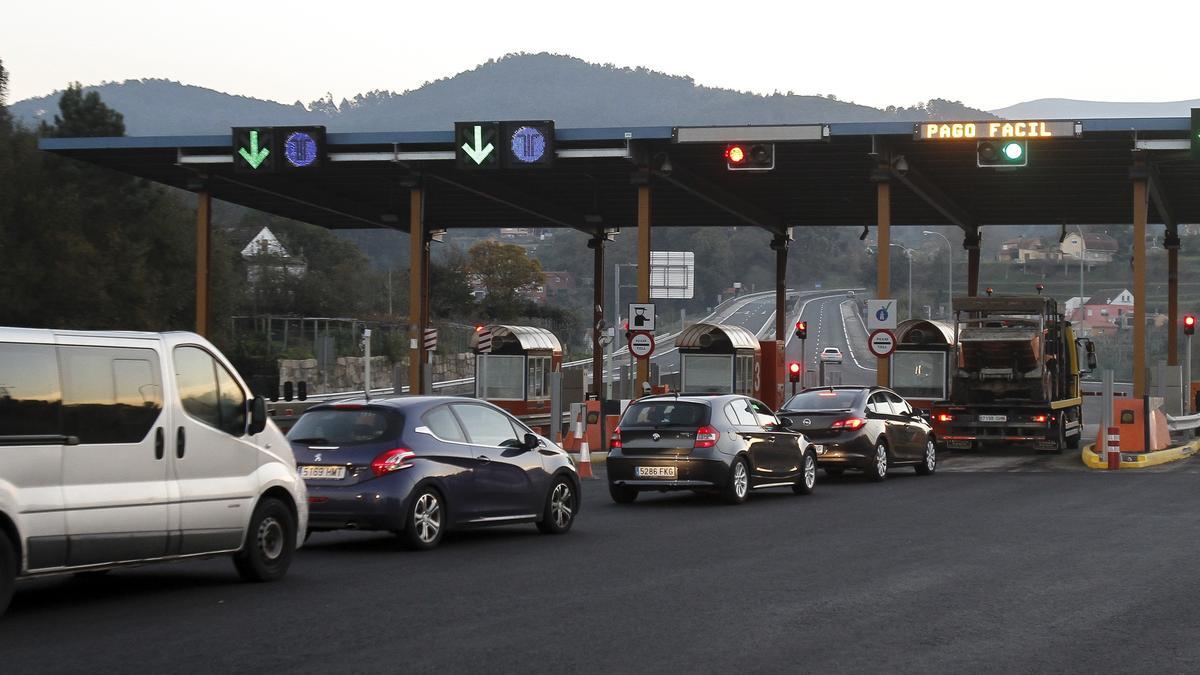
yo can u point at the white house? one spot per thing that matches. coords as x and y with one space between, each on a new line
265 253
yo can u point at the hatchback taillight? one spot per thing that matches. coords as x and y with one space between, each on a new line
706 437
392 460
614 441
849 424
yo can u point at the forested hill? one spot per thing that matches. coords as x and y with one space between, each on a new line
568 90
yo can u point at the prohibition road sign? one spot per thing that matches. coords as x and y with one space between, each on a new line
641 345
882 343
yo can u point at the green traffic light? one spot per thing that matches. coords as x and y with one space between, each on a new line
1012 151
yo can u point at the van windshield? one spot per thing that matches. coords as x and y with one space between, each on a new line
345 426
658 414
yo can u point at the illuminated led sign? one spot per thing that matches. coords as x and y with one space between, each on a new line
504 145
272 149
995 129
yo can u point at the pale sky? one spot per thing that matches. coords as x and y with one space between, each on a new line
986 54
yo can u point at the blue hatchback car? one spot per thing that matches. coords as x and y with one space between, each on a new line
421 465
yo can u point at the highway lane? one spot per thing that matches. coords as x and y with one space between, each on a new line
967 571
826 328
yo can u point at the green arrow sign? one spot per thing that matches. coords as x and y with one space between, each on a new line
480 152
256 155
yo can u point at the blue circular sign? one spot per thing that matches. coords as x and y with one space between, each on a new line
528 145
300 149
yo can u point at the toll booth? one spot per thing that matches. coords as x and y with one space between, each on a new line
719 359
923 362
515 374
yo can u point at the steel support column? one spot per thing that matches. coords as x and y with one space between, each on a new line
643 273
971 242
416 291
203 261
1140 214
1171 243
597 245
780 244
883 270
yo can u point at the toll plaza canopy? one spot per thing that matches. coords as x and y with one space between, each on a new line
529 174
826 181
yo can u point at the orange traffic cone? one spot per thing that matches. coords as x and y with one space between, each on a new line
585 460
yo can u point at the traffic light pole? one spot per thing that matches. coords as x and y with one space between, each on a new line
1187 375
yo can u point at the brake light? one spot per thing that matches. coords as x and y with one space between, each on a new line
615 440
849 424
392 460
706 437
347 406
1039 418
945 417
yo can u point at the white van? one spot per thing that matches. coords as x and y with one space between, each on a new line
120 448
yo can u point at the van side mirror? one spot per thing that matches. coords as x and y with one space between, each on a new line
531 442
258 416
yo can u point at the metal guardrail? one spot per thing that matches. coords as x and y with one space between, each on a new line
1183 422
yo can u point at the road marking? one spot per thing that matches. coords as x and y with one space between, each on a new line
846 332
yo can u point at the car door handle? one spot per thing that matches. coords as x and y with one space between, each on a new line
159 443
180 441
484 459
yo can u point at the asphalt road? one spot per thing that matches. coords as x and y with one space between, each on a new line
984 567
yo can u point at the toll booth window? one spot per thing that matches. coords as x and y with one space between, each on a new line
500 378
539 378
707 374
745 375
920 375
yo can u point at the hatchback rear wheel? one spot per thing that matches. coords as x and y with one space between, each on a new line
425 522
878 468
738 486
622 494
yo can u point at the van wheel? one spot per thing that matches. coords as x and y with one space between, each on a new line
270 542
8 572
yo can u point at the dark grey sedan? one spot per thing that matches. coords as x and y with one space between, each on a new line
422 465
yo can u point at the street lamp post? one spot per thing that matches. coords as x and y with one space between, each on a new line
1082 257
908 253
949 269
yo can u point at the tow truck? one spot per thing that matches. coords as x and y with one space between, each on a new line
1017 379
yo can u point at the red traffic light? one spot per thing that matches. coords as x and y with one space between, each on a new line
735 154
1189 324
794 371
802 330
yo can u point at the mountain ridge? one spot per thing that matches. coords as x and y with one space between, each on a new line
573 92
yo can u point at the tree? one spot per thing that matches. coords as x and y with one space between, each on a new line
84 115
3 94
503 269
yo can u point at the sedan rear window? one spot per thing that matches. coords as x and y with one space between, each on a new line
658 414
345 426
824 399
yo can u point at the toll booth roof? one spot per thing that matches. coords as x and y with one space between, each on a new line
529 338
924 332
824 180
703 335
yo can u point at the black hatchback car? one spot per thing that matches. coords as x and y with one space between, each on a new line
867 428
708 443
422 465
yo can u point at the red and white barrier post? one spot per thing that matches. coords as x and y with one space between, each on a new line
1114 448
